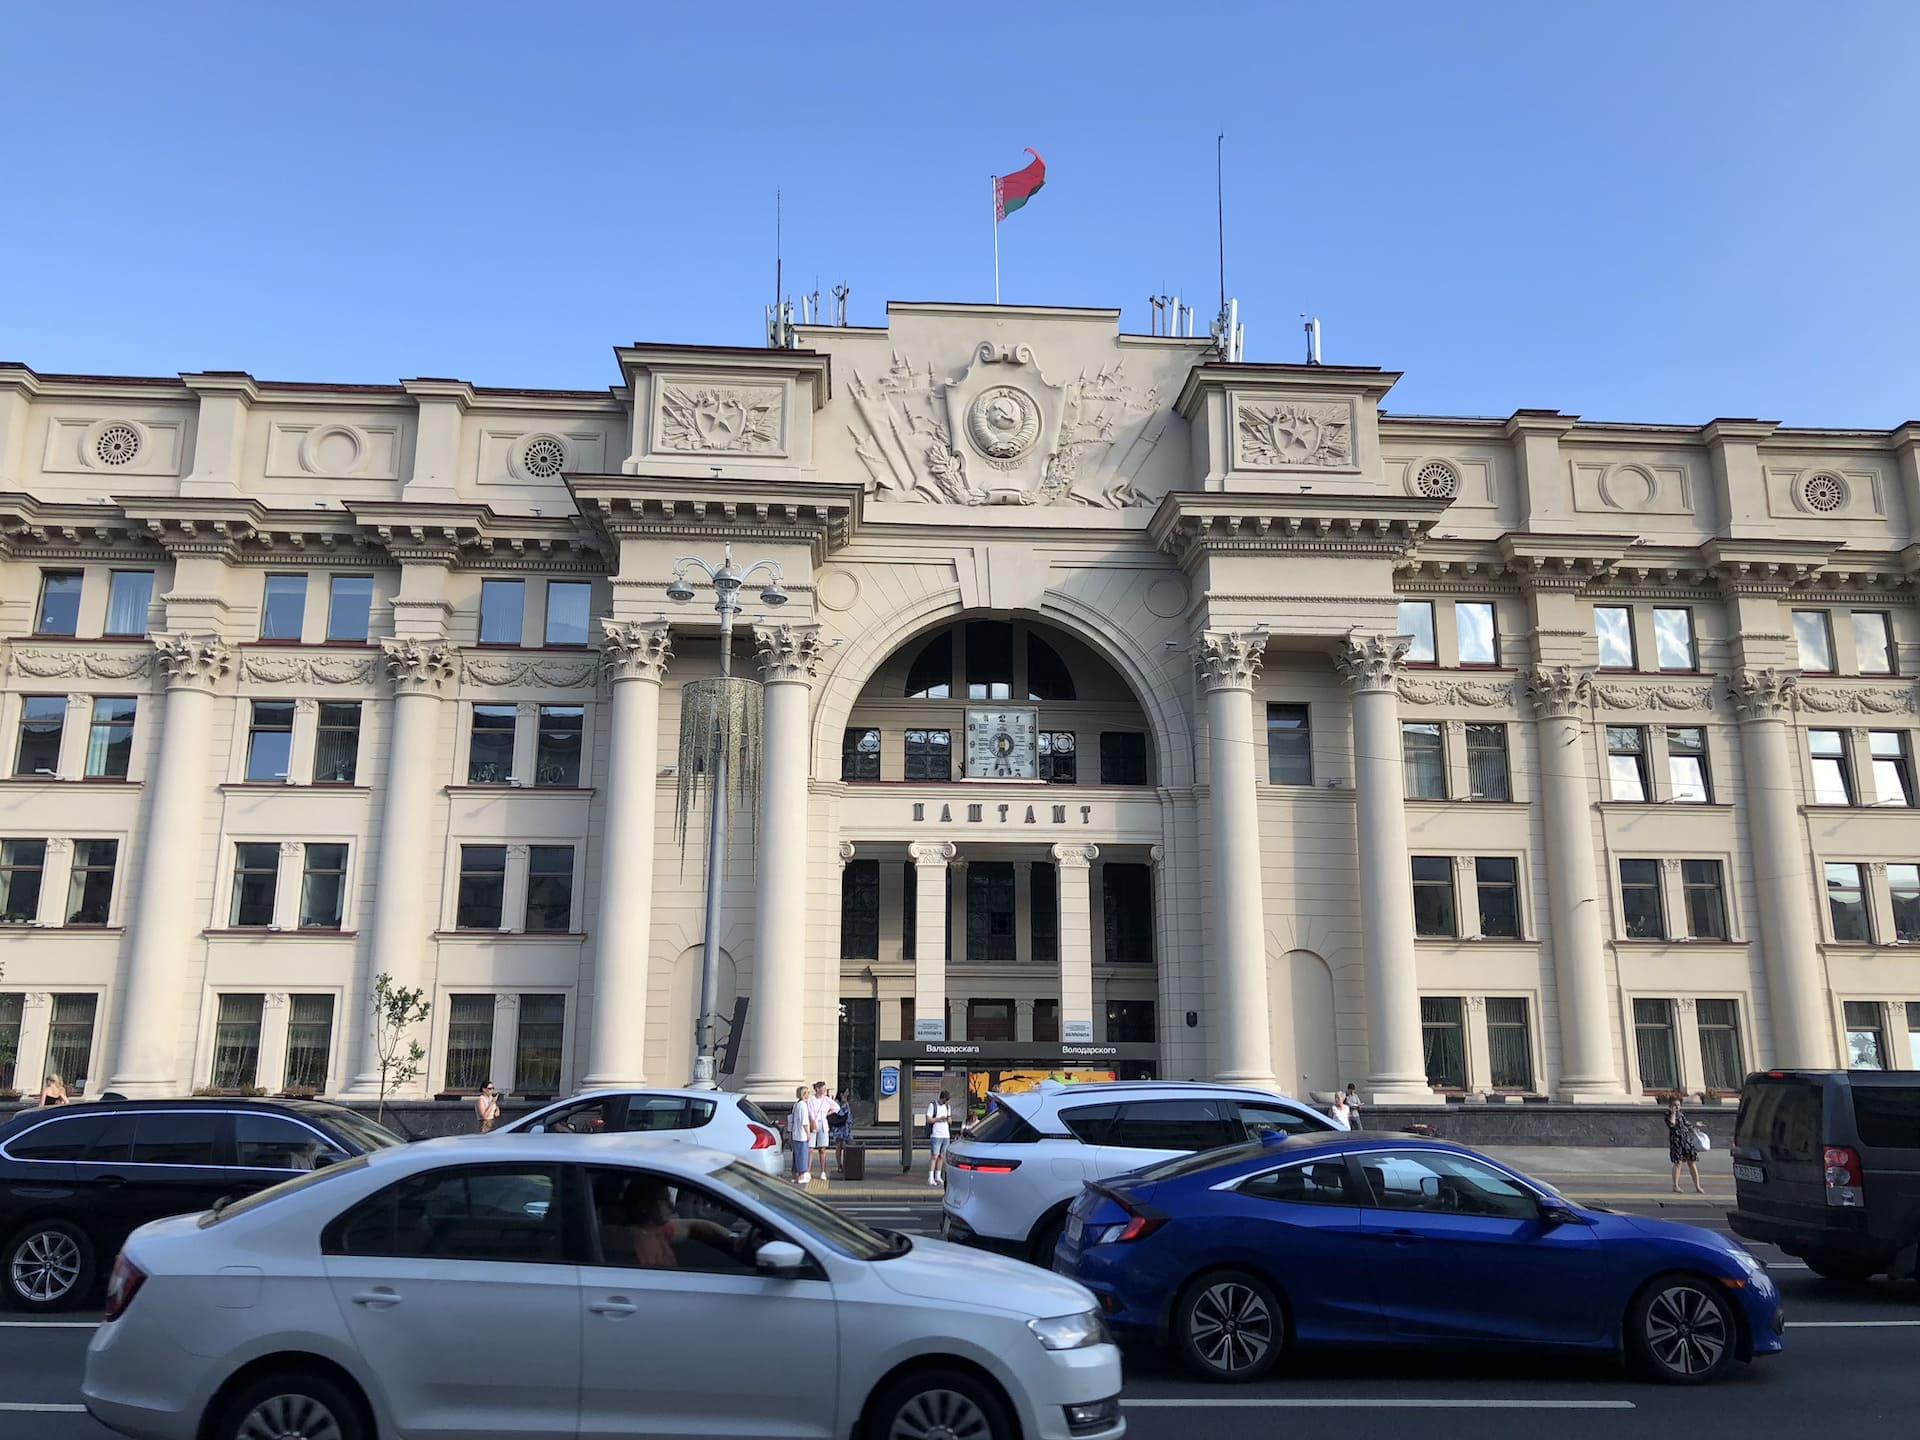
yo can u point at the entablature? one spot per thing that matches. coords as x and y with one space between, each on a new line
1190 525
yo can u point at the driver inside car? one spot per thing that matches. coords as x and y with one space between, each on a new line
637 1216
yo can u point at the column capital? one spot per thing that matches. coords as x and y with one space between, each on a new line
846 853
1762 694
1075 857
788 652
1558 692
193 662
1372 664
418 667
1230 659
932 852
635 650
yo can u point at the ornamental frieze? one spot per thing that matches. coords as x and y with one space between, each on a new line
115 664
1291 434
557 674
720 419
1654 697
320 669
1876 700
1418 690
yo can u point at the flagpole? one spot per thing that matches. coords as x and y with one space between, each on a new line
993 190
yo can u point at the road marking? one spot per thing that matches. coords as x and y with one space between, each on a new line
27 1406
50 1324
1853 1324
1300 1403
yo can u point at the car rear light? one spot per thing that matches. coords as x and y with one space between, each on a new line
763 1138
983 1166
1138 1227
122 1286
1844 1184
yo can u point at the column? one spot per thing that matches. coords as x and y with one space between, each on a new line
789 659
1398 1072
635 660
930 861
149 1014
1073 865
1236 939
1576 913
1782 870
406 891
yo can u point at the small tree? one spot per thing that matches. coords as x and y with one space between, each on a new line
7 1044
396 1010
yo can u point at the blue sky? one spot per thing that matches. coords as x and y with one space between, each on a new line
1628 211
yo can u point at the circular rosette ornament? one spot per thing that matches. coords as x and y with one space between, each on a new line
1003 423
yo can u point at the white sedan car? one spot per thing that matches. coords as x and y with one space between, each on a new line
718 1119
552 1287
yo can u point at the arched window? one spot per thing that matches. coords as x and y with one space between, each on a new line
931 675
989 660
1047 675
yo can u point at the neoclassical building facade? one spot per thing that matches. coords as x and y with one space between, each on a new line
1132 711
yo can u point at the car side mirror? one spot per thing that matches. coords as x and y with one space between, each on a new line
1558 1212
780 1257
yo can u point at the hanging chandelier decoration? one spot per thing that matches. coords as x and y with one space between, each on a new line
719 737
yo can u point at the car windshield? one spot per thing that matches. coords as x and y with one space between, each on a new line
365 1133
803 1212
254 1201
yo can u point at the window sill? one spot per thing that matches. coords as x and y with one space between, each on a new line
1478 804
1476 940
13 925
502 788
542 935
1854 809
1684 942
1715 806
329 786
101 780
258 932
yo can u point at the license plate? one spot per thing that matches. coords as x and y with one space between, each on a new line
1074 1226
1752 1173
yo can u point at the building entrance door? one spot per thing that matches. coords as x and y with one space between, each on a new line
859 1065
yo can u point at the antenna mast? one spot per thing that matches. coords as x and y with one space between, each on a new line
1229 336
780 334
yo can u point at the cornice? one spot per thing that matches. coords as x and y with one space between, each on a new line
1561 562
639 361
1766 567
822 515
1190 524
1315 380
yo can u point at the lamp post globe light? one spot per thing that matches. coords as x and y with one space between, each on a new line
727 584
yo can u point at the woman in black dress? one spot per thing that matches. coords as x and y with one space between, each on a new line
1681 1149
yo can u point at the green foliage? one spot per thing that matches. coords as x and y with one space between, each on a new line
396 1010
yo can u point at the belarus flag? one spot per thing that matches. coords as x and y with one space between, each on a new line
1010 192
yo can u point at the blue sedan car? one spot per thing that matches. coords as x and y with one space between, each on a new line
1232 1256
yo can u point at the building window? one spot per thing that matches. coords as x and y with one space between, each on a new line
909 917
1043 912
59 612
1913 1034
336 743
1718 1022
1497 879
1866 1035
1479 639
568 603
490 746
22 865
90 886
1892 767
129 595
989 660
256 879
930 754
1289 745
42 719
270 741
930 677
323 887
1047 675
70 1038
556 759
860 754
1415 622
1673 641
1653 1043
1130 1022
110 737
236 1042
1509 1044
1903 888
1613 630
1832 771
1640 900
1847 904
1059 764
1687 773
1443 1032
1126 908
990 912
349 608
1814 635
12 1007
537 1044
549 889
309 1041
1433 910
1046 1022
1627 762
990 1020
1424 760
1487 774
503 605
1873 652
1706 895
483 887
469 1041
283 610
860 910
1123 757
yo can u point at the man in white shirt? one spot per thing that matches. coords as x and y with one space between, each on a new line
939 1134
819 1106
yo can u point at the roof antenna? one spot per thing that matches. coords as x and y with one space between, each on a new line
780 334
1312 327
1229 336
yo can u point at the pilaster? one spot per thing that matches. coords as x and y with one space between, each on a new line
1073 865
930 861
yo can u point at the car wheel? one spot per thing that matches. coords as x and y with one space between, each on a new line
940 1405
1682 1330
290 1405
1230 1326
48 1264
1046 1240
1841 1270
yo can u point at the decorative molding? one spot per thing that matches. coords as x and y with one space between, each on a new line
1419 690
1372 664
78 701
932 852
1685 1004
507 1000
1455 728
788 652
517 852
846 853
117 664
1292 435
290 848
554 674
1476 1002
1763 694
1877 868
1156 853
1230 659
418 667
720 419
323 669
276 1000
1670 864
1558 692
193 661
59 844
1861 700
1075 857
306 705
632 650
1614 696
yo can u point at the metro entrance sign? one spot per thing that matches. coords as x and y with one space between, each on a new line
1011 1053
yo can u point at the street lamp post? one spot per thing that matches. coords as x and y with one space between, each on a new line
727 584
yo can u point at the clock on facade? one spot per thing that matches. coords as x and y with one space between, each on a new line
1003 744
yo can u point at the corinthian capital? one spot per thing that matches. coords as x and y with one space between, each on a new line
1230 659
787 652
1558 692
635 651
1371 663
418 667
193 662
1763 694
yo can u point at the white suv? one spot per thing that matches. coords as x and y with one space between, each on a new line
1009 1183
718 1119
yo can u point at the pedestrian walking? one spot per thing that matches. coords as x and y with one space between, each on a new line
821 1108
486 1105
54 1092
1683 1145
939 1134
799 1131
1342 1113
1352 1097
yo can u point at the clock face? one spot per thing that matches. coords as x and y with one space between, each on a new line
1002 744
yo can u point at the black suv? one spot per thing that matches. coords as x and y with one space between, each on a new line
1826 1165
76 1180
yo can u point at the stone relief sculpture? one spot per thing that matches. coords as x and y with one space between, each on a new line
724 419
1655 697
93 664
327 669
1454 692
1881 700
1281 435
